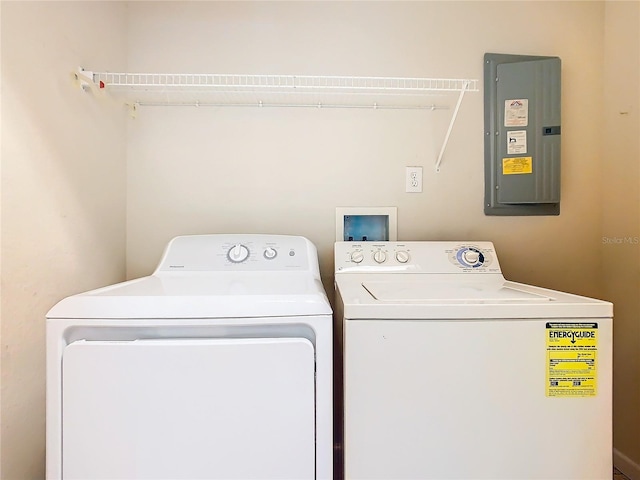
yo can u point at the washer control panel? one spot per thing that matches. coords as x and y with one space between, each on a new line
377 254
423 257
238 252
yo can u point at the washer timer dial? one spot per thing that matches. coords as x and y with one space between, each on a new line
470 257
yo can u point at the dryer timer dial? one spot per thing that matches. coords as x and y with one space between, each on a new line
238 253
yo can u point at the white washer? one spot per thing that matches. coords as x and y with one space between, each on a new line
216 366
452 372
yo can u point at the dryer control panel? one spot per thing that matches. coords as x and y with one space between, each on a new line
238 252
418 257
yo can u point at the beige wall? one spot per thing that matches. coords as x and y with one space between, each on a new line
0 250
284 171
63 194
621 221
197 170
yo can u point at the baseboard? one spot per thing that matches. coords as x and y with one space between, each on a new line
627 466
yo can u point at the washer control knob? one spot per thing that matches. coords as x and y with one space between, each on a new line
270 253
357 256
471 257
238 253
379 256
402 256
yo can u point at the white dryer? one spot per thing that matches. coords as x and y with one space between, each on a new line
216 366
452 372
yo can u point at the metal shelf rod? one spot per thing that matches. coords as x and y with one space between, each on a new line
292 105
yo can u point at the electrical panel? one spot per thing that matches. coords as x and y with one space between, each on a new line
522 134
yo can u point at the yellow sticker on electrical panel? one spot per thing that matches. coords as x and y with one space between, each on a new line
517 165
572 363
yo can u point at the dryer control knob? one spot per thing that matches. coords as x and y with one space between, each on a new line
270 253
379 256
357 256
402 256
238 253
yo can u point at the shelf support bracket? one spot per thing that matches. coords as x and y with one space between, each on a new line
133 109
453 120
84 79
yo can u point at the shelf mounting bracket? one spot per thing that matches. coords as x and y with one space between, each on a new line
84 79
453 120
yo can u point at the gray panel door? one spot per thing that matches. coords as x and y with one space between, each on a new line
528 143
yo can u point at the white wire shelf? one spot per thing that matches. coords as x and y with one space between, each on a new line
150 89
165 89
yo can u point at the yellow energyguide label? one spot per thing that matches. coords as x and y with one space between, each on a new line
572 362
517 165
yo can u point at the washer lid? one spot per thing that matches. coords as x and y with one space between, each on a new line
201 295
463 292
420 296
